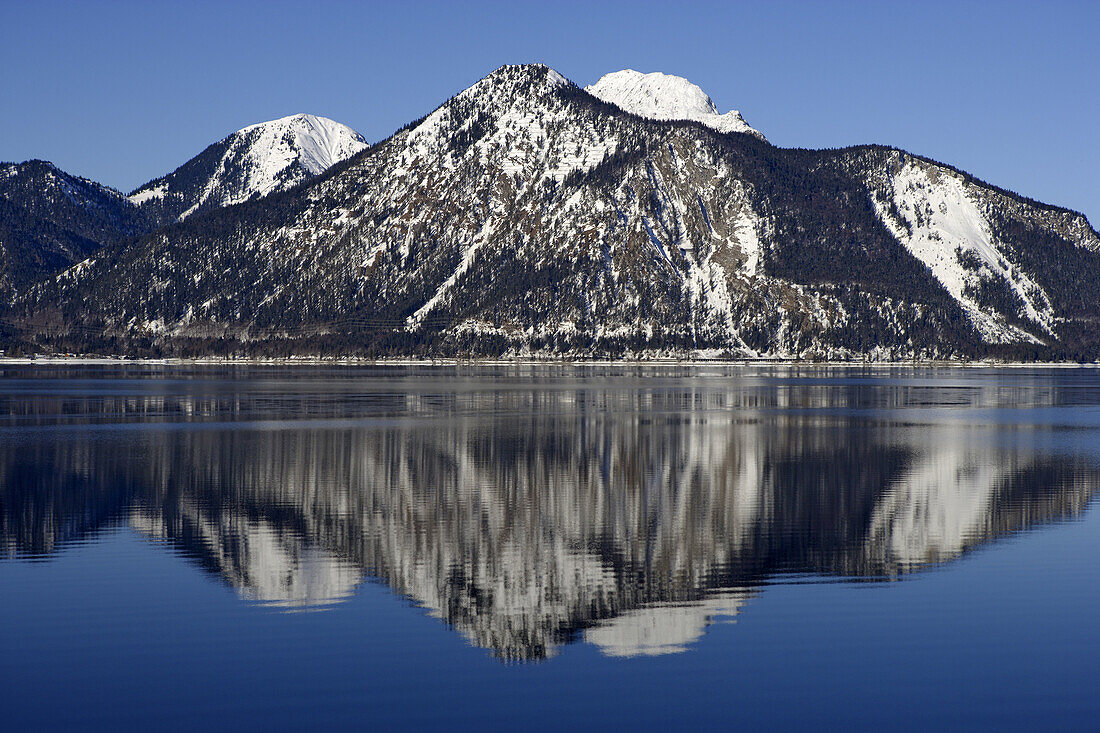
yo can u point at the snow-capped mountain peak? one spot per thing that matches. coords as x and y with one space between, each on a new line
666 97
319 141
252 162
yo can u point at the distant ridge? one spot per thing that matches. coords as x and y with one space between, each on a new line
50 220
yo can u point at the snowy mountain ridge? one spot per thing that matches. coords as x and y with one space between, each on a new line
76 188
661 96
319 141
252 162
50 219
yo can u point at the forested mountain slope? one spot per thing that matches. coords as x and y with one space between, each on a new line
50 220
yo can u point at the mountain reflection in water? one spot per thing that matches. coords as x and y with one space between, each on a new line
525 519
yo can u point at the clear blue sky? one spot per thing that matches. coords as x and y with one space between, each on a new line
123 92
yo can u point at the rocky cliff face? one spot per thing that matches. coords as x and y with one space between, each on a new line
526 216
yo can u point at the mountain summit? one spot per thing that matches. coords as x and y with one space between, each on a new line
252 162
666 97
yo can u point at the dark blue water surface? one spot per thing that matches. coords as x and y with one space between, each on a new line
549 547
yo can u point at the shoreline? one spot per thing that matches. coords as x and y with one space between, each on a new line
530 361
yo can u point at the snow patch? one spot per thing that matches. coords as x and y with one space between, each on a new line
148 194
749 242
940 221
321 142
315 143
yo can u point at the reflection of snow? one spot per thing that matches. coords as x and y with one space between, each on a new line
942 504
265 565
664 628
278 576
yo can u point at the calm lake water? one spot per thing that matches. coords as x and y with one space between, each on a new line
549 547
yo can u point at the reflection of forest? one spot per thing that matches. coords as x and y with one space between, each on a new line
634 527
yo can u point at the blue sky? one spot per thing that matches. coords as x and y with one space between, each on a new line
123 92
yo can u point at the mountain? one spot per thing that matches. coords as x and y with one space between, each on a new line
526 216
665 97
252 162
50 220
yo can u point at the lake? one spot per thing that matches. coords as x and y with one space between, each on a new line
549 547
